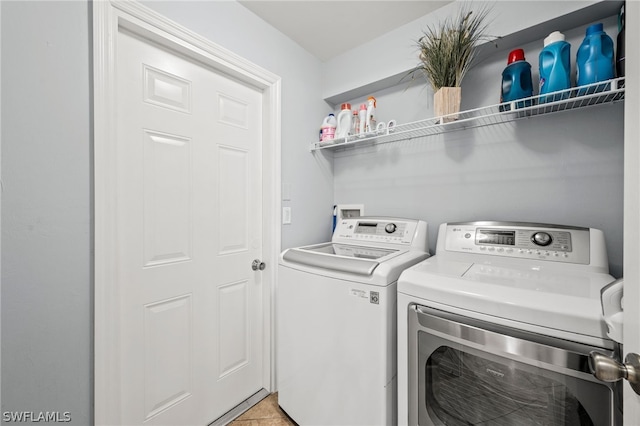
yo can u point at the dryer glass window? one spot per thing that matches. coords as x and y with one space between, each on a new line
464 371
463 389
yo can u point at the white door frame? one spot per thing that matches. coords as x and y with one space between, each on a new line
108 17
631 267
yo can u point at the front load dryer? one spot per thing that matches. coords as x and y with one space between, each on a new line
497 327
336 322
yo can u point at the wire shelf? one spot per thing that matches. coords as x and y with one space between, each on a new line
606 92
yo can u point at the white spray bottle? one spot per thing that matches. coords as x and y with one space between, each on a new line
371 114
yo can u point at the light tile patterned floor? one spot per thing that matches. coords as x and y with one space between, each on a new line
264 413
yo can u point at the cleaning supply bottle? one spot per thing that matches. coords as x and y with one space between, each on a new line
516 80
344 121
371 114
362 117
595 59
328 129
620 45
555 67
355 122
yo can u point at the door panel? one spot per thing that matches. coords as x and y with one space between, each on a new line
188 227
233 327
168 353
167 186
234 197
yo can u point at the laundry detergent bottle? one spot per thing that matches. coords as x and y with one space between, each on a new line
328 129
595 59
555 67
516 80
344 121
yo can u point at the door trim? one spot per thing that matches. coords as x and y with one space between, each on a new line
108 18
631 249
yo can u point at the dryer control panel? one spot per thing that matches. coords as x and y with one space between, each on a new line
552 243
359 230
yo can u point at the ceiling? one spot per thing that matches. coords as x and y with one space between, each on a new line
328 28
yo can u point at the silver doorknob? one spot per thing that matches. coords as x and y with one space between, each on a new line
607 369
258 264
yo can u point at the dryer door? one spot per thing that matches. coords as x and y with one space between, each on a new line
464 371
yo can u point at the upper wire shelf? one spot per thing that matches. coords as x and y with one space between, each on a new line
605 92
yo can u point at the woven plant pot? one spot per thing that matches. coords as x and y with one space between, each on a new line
446 104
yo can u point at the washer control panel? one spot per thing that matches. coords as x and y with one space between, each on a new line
522 240
380 230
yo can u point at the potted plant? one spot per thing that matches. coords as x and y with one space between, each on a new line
447 51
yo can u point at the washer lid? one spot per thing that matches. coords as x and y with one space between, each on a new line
530 294
346 250
360 260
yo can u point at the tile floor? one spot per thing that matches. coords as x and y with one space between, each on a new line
265 413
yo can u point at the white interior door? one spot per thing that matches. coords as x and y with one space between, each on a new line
189 212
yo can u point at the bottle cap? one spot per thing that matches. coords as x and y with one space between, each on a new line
345 106
595 28
553 37
371 98
363 107
515 55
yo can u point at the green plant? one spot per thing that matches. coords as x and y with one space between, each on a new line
448 49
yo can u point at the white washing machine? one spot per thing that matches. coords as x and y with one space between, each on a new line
496 328
336 322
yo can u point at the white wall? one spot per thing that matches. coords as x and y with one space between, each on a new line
310 178
47 308
565 169
382 61
46 209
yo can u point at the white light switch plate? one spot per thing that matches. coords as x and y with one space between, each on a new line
286 215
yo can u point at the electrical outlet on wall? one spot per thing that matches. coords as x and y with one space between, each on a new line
286 215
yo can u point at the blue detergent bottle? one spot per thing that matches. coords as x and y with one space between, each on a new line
595 60
516 81
554 65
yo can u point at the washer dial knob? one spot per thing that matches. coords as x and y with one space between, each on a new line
541 239
390 228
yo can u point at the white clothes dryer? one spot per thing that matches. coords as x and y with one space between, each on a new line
336 322
496 328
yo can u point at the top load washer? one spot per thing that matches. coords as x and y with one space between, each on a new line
501 322
336 322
